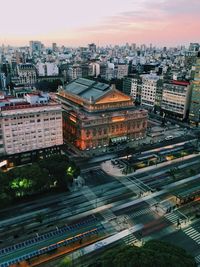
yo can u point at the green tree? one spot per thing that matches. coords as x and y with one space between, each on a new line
66 262
153 254
29 179
21 186
61 170
51 86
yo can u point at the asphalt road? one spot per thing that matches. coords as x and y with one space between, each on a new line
116 201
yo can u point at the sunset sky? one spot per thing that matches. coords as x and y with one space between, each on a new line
160 22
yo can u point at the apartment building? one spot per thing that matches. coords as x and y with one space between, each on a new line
31 124
132 86
148 90
25 74
195 99
176 99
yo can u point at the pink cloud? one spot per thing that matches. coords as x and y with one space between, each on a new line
141 21
164 22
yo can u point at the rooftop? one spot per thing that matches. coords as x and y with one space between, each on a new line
183 83
87 89
26 105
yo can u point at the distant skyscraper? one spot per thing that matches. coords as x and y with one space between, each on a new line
194 47
195 100
133 46
35 46
54 47
127 45
143 47
92 47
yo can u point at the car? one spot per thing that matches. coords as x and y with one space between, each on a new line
169 137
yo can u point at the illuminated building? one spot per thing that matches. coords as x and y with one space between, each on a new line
96 115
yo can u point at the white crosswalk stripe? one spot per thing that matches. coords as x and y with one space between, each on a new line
108 215
92 197
193 233
172 217
139 213
197 259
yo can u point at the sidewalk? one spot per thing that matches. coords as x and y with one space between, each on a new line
111 169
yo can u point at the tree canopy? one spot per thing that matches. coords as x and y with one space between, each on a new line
153 254
50 86
55 172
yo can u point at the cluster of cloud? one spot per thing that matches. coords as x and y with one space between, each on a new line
104 22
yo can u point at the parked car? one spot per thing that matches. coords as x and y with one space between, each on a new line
169 137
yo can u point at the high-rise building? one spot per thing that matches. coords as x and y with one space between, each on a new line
30 124
74 72
194 115
148 90
92 47
132 86
54 47
47 69
121 70
133 46
35 46
194 47
25 74
2 81
176 99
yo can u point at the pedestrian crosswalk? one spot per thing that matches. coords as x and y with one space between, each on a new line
193 233
151 201
130 239
197 259
92 197
172 217
139 213
108 215
130 184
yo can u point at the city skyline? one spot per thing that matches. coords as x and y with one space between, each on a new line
160 22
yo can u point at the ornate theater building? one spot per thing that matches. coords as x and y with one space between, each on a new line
96 115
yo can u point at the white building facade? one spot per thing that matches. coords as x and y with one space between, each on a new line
30 127
148 90
176 99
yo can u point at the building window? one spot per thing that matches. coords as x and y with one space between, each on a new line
87 133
